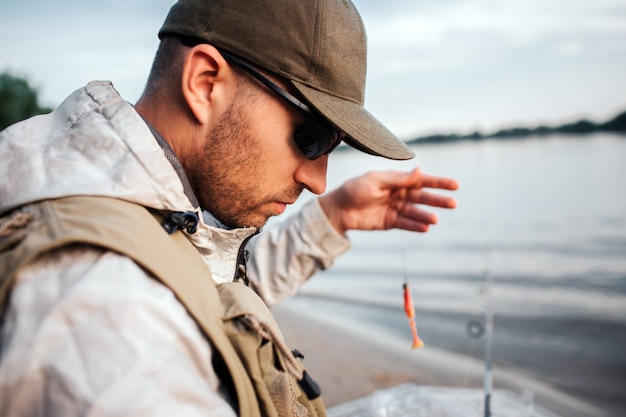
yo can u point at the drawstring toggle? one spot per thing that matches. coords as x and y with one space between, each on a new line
187 220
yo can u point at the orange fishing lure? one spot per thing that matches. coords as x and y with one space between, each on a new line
409 309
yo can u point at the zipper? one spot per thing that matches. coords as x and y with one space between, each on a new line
241 270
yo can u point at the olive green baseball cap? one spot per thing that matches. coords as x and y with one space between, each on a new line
319 46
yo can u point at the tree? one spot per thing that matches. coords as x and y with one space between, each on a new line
617 124
18 100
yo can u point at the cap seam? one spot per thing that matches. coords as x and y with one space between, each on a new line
217 5
317 40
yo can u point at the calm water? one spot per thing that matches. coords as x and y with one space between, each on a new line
540 227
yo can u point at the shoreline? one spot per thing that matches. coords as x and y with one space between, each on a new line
348 364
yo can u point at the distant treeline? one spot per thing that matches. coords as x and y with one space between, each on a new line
616 124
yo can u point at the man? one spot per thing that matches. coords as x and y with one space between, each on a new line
109 312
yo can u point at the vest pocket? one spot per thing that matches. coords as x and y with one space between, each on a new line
272 367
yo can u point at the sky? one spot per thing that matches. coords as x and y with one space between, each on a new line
434 66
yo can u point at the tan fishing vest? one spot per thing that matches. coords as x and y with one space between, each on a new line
258 366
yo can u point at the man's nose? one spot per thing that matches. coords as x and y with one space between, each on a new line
312 174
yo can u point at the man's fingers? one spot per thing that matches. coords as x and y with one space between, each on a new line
443 183
415 178
406 224
431 199
415 214
395 179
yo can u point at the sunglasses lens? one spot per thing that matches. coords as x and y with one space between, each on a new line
315 139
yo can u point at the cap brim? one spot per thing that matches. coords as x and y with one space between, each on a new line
364 131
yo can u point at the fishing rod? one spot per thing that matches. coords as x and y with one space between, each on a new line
488 375
475 330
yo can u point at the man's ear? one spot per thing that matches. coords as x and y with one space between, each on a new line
205 79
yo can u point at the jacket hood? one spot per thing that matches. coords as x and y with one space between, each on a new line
96 144
84 148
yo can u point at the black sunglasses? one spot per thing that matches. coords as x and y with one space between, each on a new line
316 137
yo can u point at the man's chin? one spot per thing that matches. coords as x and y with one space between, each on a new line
258 222
259 218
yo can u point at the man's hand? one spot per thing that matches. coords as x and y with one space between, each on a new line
387 200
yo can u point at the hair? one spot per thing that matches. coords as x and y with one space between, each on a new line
167 65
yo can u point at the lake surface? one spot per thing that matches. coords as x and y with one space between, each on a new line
539 237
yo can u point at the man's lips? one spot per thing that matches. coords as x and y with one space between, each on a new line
281 206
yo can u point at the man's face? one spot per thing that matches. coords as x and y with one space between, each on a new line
249 167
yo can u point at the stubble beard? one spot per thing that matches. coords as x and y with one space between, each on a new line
227 172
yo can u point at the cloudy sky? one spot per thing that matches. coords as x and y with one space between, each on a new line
433 65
